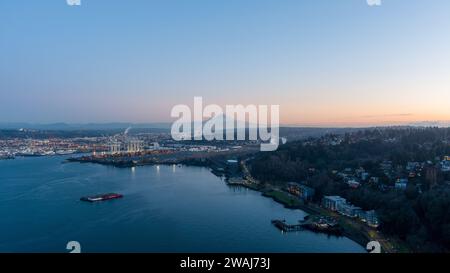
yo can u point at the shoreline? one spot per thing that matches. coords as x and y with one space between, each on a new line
353 230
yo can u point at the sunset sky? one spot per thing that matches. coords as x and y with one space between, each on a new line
325 62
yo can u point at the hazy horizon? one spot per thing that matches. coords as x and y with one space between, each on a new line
167 125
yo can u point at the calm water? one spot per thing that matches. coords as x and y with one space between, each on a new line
165 209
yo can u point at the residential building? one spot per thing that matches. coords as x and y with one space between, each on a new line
349 210
412 166
370 218
300 190
333 202
353 183
340 205
445 165
401 183
365 176
306 193
374 179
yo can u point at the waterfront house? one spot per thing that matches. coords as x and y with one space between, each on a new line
349 210
370 218
333 202
306 193
293 188
303 192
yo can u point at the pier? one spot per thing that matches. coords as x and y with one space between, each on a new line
283 226
320 224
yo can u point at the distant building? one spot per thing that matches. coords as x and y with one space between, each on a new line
134 145
348 170
293 188
412 166
306 193
371 218
302 191
349 210
155 146
401 183
232 161
359 171
386 165
115 148
445 165
387 168
365 176
333 202
353 183
374 179
201 148
340 205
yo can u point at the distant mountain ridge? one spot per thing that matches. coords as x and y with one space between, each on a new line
168 125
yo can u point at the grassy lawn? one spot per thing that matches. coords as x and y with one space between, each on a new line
284 198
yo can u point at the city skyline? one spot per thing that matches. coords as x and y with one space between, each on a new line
326 63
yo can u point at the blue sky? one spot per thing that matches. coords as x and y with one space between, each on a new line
324 61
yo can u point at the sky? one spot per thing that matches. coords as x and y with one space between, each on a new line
325 62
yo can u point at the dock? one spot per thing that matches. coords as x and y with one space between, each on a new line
285 227
320 224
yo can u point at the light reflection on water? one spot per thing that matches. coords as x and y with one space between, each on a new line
164 209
